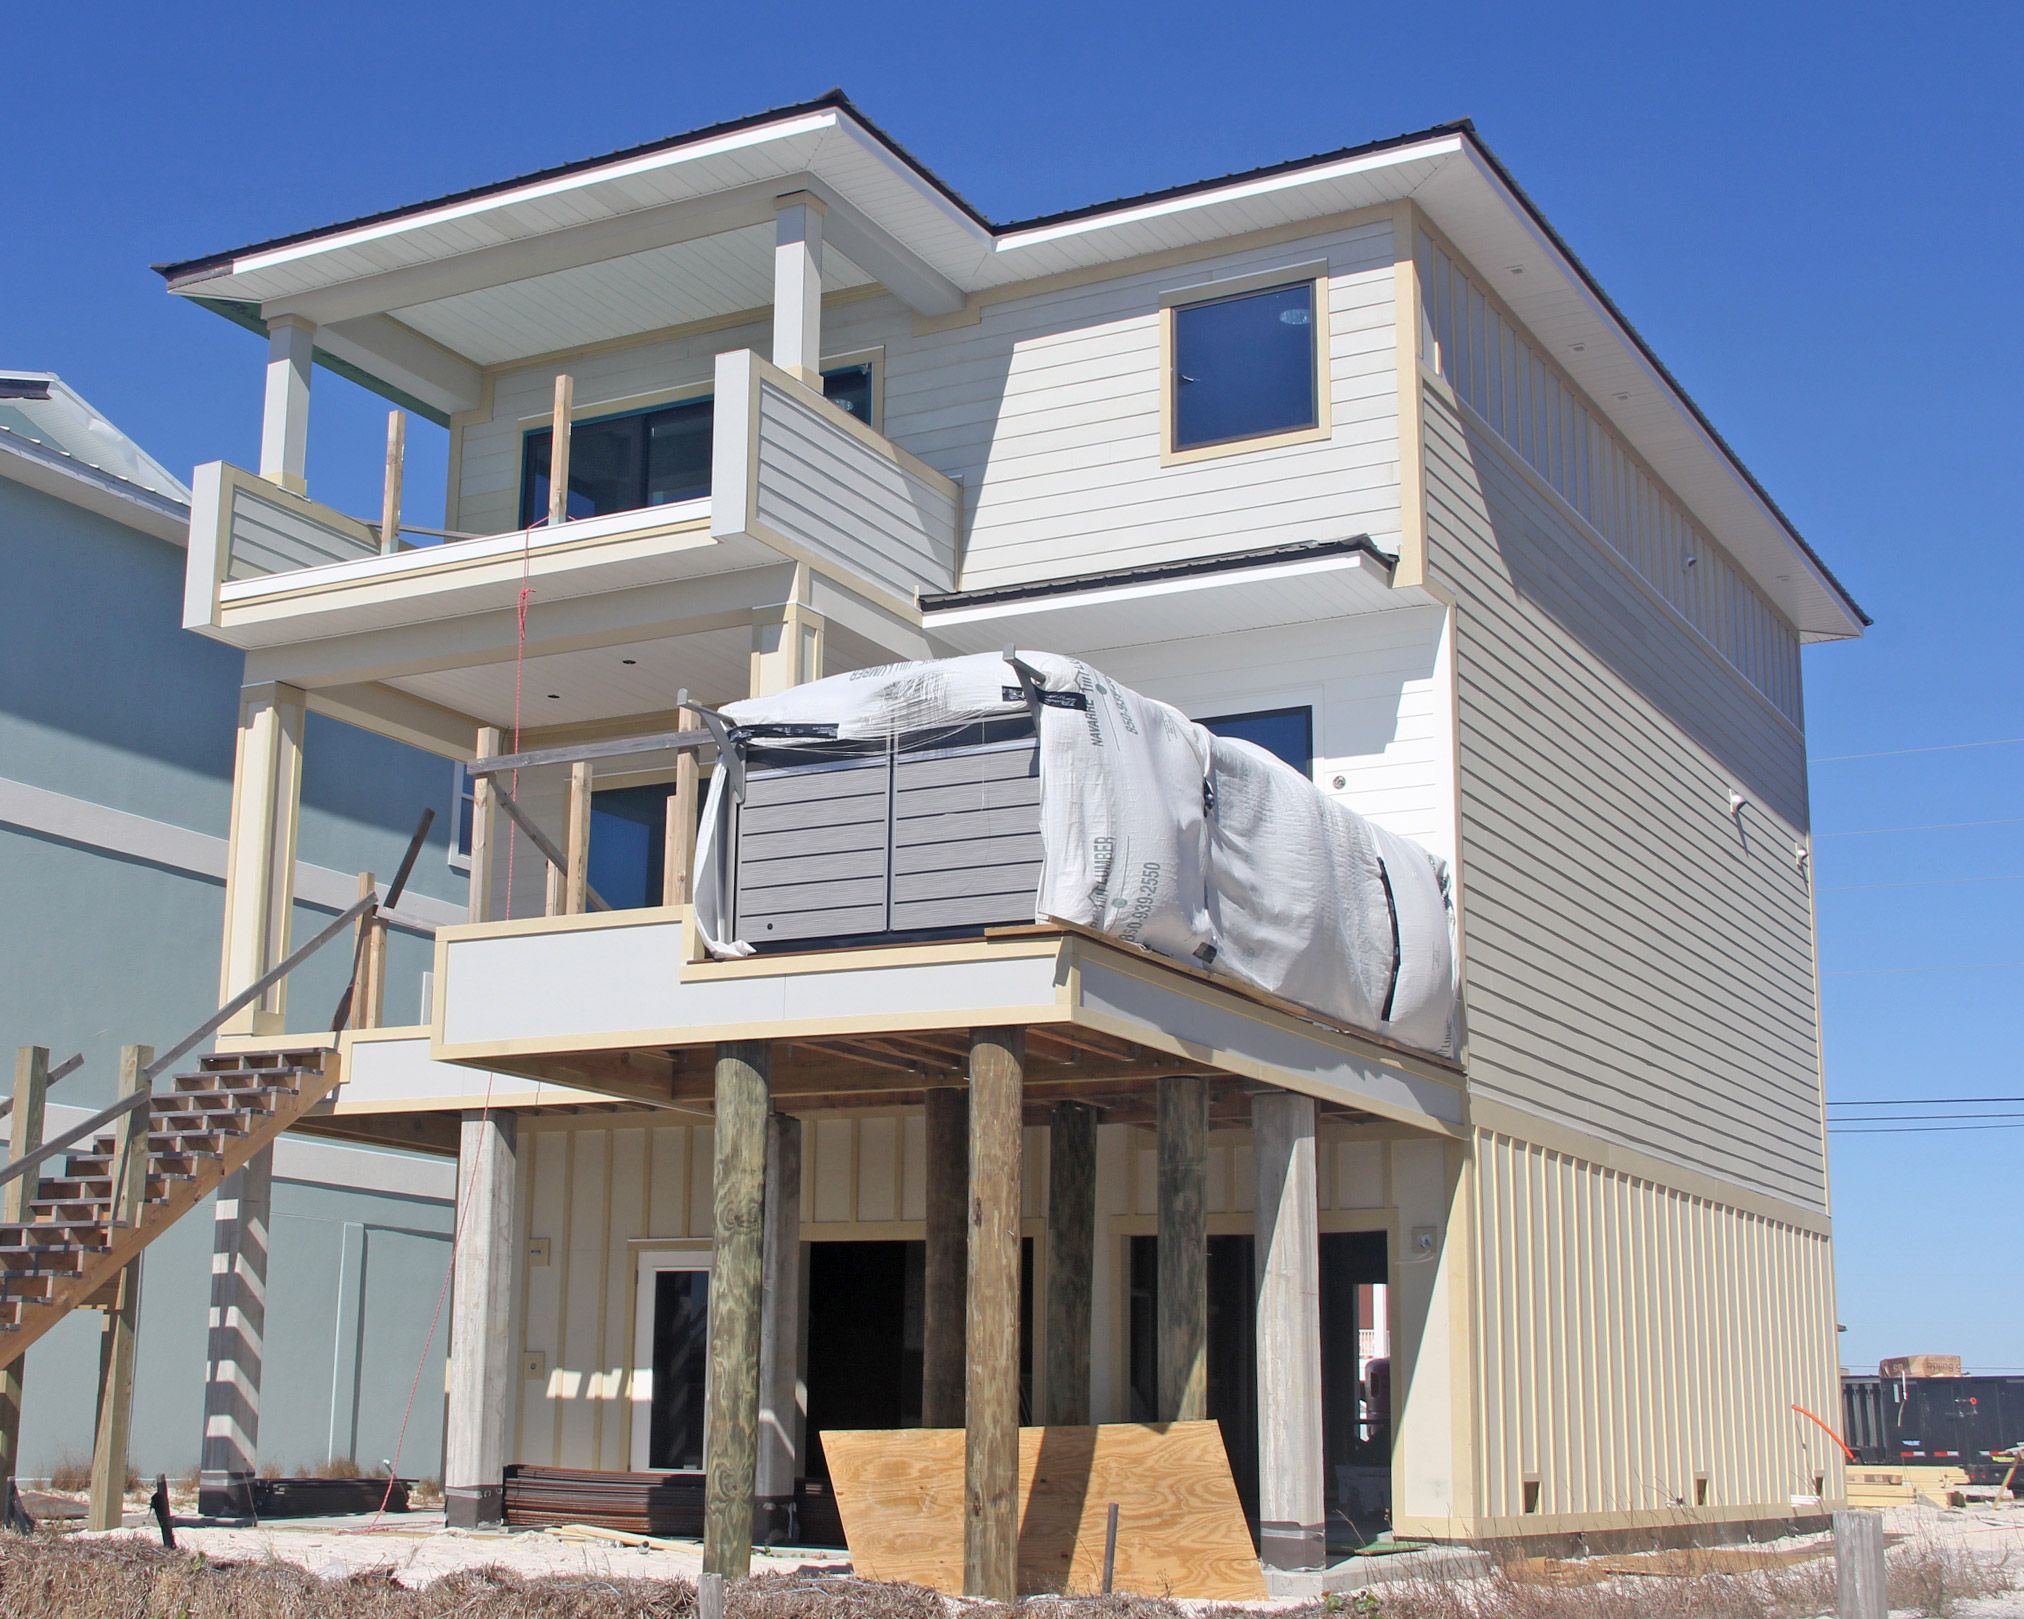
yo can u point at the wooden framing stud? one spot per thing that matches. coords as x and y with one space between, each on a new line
390 493
558 451
576 877
678 857
991 1404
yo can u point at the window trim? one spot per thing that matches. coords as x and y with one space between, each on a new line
1315 275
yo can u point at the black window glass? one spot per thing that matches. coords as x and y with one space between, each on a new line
1244 366
681 1361
1286 732
628 845
650 457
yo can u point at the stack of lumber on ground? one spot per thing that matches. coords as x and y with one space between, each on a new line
657 1504
1181 1530
1878 1487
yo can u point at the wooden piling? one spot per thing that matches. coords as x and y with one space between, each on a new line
122 1317
1182 1128
24 1135
991 1403
731 1445
945 1301
1071 1246
1860 1579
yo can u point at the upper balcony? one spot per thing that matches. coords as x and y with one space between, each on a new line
792 478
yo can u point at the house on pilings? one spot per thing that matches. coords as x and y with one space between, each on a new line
1349 456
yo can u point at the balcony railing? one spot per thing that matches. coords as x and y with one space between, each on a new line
792 476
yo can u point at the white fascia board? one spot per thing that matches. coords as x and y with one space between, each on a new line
814 123
1239 191
105 494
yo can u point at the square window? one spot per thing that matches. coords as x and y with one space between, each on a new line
1245 366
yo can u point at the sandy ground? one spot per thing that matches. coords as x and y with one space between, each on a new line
420 1549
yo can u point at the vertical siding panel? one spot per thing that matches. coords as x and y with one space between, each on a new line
668 1208
878 1169
702 1180
541 1316
624 1221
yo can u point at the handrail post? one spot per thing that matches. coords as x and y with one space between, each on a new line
369 950
576 877
390 496
24 1135
679 851
558 451
484 821
122 1316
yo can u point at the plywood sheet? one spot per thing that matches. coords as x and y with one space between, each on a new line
1180 1531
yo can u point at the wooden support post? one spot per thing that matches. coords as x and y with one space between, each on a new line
679 851
1071 1248
991 1405
576 878
1859 1575
390 495
122 1316
558 452
780 1376
945 1299
238 1334
1292 1518
1182 1127
369 950
483 1366
731 1426
484 824
24 1135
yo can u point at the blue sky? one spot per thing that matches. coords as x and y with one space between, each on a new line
1813 212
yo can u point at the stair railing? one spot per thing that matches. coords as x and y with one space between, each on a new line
143 1093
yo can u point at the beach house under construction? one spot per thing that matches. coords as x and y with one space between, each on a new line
874 1114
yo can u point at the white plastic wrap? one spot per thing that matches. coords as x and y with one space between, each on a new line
1199 848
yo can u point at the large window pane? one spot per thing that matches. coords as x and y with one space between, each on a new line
1287 732
605 466
681 1361
678 453
1244 366
850 387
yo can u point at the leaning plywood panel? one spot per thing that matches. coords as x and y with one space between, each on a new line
1180 1530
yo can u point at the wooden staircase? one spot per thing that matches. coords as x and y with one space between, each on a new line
70 1251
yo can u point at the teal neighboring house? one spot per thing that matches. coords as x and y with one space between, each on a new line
116 733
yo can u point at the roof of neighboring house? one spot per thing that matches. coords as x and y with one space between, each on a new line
52 439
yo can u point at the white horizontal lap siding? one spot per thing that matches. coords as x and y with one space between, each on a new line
823 488
1379 710
1639 965
1049 409
267 537
1632 1339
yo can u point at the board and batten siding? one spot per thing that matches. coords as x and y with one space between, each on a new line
599 1189
1639 1349
1639 962
1047 411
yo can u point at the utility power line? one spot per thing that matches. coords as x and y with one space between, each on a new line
1920 1101
1923 882
1913 1129
1934 967
1929 826
1900 753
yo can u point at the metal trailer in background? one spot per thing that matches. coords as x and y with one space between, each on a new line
1948 1421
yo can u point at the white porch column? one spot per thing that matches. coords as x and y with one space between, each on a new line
238 1331
781 1394
1292 1519
260 853
797 286
481 1322
284 419
787 642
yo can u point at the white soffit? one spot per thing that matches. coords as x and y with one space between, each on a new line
1156 611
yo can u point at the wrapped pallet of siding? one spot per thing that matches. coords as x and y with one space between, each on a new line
1137 823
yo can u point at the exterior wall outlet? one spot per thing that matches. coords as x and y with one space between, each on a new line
534 1363
537 1250
1424 1240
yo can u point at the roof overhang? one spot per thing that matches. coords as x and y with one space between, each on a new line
428 296
39 467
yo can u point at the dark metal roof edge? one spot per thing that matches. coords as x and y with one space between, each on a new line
1222 562
1588 278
